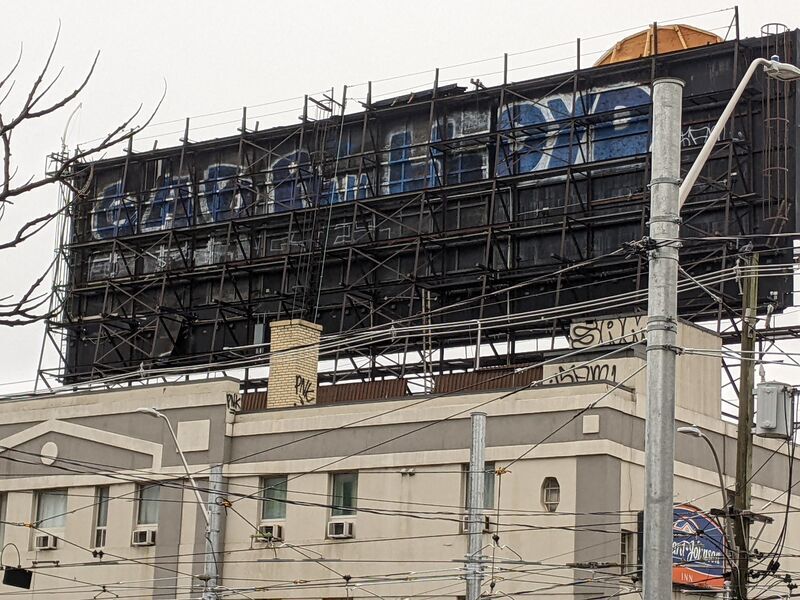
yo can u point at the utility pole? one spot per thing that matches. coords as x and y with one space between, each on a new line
744 436
662 332
216 518
476 505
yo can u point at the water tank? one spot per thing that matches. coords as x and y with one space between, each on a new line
668 38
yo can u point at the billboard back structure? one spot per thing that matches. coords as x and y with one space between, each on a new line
493 215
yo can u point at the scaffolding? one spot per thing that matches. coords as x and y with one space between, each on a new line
343 221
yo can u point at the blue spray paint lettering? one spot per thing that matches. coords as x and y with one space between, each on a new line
170 206
538 146
226 195
626 134
115 213
291 178
542 132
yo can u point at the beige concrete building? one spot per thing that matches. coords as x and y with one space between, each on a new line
365 498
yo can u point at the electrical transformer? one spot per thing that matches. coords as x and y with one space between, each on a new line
774 410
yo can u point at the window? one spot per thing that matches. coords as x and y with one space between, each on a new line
551 494
436 174
405 174
488 485
626 552
273 498
291 176
147 501
100 516
51 508
344 488
465 167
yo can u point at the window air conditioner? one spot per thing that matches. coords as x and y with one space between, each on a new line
272 532
487 525
339 530
45 542
143 537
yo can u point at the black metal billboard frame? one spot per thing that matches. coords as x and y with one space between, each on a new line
137 319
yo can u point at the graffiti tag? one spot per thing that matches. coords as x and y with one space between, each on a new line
584 373
625 330
694 136
304 389
233 402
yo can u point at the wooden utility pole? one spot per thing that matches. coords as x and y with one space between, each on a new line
744 441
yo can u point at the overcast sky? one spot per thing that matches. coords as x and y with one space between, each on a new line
220 56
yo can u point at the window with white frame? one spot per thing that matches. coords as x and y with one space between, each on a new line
488 485
405 173
273 498
100 516
627 559
551 494
51 509
147 499
344 494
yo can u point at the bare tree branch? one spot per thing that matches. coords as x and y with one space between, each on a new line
31 228
8 92
23 312
14 68
35 303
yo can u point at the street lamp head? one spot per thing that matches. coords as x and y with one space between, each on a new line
692 430
782 71
151 412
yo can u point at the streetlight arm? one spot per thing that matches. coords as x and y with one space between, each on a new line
695 431
719 471
701 159
200 502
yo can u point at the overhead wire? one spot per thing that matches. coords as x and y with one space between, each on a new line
424 426
351 341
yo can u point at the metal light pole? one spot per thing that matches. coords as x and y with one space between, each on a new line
212 534
662 332
475 505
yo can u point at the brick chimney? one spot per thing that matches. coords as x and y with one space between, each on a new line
293 374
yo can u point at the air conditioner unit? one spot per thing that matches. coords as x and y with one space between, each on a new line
339 530
487 525
143 537
45 542
272 532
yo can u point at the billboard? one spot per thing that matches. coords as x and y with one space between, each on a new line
463 205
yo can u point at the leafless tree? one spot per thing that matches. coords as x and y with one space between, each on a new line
34 303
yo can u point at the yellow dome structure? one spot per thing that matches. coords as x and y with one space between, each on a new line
667 38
